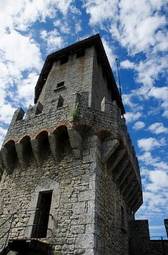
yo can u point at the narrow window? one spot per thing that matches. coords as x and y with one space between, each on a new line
40 224
60 102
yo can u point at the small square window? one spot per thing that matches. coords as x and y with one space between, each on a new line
60 84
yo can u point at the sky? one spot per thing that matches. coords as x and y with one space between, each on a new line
134 32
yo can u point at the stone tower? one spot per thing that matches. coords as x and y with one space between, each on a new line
70 179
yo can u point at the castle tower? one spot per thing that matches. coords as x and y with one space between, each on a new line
70 179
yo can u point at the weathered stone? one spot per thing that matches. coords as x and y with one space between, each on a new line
72 158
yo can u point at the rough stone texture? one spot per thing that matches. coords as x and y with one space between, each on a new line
83 153
72 207
76 74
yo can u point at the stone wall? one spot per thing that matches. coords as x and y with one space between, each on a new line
76 74
86 209
92 202
71 225
111 227
100 88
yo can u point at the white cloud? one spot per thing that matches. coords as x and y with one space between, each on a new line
148 159
130 101
6 112
158 128
19 51
159 93
100 10
2 135
139 125
53 39
22 14
127 64
134 23
25 89
148 144
139 26
149 69
152 162
18 54
132 116
158 180
154 201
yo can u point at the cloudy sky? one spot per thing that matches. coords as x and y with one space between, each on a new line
133 31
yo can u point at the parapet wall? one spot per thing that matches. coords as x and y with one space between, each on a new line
140 243
27 134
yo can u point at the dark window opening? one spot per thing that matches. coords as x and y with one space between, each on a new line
27 148
64 60
40 224
62 141
11 154
60 102
80 53
60 84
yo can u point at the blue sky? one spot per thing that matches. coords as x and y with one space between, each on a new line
133 31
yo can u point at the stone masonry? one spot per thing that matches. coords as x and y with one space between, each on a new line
73 143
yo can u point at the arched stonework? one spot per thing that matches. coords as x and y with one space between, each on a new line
9 156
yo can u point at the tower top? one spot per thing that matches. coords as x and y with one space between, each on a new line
93 41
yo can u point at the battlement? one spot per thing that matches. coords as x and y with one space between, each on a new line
29 135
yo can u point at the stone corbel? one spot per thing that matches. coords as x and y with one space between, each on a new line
108 148
76 142
53 145
36 151
19 151
118 159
